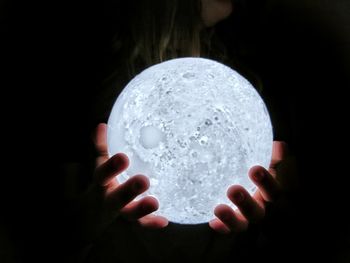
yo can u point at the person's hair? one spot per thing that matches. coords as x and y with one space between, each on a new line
147 32
152 31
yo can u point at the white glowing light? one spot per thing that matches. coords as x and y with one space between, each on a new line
194 127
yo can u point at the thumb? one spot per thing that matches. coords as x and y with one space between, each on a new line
279 153
100 141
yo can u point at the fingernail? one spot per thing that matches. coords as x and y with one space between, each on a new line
259 176
238 197
118 161
226 217
147 208
137 186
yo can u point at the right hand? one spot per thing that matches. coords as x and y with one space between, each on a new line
108 200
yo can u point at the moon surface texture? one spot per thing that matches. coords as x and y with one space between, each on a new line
194 127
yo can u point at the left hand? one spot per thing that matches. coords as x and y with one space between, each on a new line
251 209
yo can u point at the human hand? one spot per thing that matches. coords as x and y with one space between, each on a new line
107 200
251 209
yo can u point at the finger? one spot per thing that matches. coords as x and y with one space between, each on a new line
268 186
279 152
136 210
100 140
219 226
230 219
247 205
124 193
106 172
152 221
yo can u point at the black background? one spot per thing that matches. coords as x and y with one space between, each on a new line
53 56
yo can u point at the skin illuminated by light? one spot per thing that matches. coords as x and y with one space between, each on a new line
194 127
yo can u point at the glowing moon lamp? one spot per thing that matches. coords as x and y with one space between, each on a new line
194 127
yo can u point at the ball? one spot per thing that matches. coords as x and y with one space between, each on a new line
195 127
